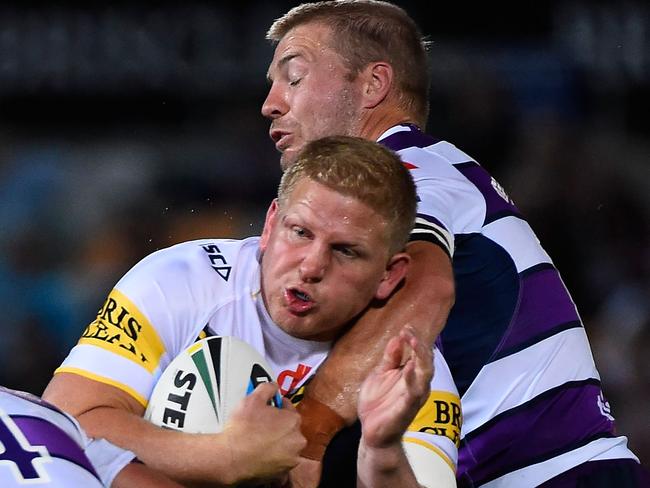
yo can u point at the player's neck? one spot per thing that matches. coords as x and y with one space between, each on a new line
380 119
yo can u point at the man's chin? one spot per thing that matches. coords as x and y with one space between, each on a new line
297 327
288 157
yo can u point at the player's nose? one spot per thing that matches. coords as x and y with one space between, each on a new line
313 264
275 104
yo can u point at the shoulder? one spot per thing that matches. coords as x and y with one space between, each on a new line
429 159
452 186
205 261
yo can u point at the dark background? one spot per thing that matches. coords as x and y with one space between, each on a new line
127 127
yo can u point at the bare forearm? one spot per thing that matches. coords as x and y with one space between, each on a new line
423 303
187 458
137 475
384 467
232 456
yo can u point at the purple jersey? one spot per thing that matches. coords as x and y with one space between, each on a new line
43 446
515 344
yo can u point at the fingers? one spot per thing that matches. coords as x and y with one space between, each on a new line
418 350
418 371
403 348
392 357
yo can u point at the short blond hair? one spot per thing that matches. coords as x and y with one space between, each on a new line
367 31
362 169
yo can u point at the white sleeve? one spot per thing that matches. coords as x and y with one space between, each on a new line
431 441
156 310
107 459
430 469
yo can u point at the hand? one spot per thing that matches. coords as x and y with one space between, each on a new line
392 394
264 441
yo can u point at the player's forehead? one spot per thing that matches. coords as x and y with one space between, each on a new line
310 42
334 215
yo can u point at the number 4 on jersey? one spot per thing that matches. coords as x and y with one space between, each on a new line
24 460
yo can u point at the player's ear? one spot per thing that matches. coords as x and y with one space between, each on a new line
269 222
378 81
395 272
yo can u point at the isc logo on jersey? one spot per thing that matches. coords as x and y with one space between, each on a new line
201 387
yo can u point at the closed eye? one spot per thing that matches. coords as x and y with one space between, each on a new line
299 231
346 251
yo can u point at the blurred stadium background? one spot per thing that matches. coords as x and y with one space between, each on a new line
127 127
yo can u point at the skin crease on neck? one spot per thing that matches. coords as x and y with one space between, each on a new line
311 96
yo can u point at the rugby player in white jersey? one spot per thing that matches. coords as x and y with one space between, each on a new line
533 409
41 446
332 247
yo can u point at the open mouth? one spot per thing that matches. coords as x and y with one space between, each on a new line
298 301
301 296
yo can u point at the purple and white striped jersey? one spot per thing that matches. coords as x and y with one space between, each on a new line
515 344
42 446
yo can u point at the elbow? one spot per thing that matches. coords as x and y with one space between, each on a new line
447 291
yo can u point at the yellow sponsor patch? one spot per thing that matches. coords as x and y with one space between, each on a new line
122 329
440 415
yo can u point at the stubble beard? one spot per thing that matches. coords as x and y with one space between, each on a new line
350 125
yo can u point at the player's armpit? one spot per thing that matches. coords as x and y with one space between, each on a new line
423 302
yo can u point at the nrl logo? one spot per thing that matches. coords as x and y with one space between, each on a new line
502 193
603 406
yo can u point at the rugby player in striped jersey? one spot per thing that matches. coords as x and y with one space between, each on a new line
534 411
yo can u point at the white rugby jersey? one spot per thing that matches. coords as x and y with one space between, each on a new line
42 446
531 397
212 287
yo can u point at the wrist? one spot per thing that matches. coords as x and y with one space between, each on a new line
232 462
318 424
383 459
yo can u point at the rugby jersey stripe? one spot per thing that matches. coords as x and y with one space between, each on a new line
500 386
546 413
39 432
543 305
597 450
429 229
498 204
535 269
407 138
112 367
516 236
544 335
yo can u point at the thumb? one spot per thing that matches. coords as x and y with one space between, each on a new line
263 394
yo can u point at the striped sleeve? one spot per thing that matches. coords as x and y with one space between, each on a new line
428 229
